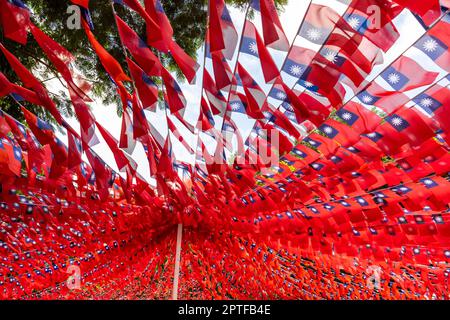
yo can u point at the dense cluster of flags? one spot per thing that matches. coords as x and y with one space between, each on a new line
360 181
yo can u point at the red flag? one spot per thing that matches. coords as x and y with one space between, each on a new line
215 97
31 82
274 36
222 72
175 98
74 151
186 63
15 20
121 160
82 3
147 89
256 98
154 36
156 12
61 58
269 67
142 54
109 63
222 33
172 128
428 10
140 125
127 141
5 85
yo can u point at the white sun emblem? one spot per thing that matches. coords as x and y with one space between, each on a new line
174 186
328 130
426 102
393 78
354 22
267 114
346 116
235 106
296 70
367 99
312 142
313 34
308 84
292 117
372 135
331 55
396 121
253 47
281 95
430 45
428 182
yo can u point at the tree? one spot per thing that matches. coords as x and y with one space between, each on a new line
188 21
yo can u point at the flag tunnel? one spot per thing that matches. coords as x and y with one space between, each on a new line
355 207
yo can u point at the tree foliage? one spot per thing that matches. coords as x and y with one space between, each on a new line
188 19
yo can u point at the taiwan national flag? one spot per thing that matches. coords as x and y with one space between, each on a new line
156 11
318 23
222 72
358 16
142 54
249 45
238 103
274 36
436 102
436 42
222 33
147 89
43 131
15 20
359 118
253 44
298 60
406 74
153 37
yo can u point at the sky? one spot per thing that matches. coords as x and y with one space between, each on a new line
291 17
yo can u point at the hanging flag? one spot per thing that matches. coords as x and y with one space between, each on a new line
174 96
86 120
172 128
140 124
406 74
205 120
215 97
436 42
156 11
122 160
384 34
31 82
127 141
155 35
222 72
142 54
110 64
63 61
297 61
256 98
75 151
82 3
274 36
15 20
186 63
222 33
429 11
146 88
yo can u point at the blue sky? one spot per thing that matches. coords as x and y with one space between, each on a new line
291 17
